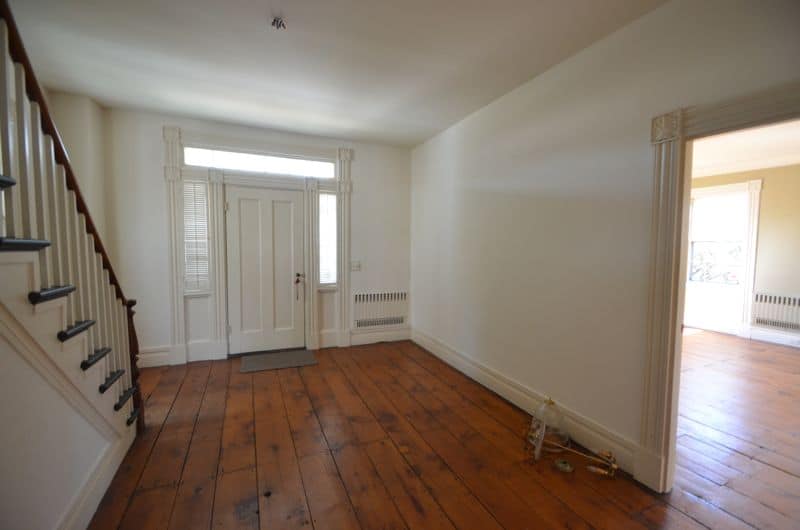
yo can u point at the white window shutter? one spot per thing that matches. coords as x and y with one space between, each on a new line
195 236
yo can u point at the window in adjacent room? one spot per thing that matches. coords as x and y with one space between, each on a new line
195 236
327 239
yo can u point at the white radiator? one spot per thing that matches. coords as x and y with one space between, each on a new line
777 311
387 309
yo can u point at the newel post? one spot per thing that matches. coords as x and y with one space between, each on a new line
133 349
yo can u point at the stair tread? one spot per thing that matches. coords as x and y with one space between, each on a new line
125 397
75 329
50 293
133 416
94 358
110 380
15 244
6 182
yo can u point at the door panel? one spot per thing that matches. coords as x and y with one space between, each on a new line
265 252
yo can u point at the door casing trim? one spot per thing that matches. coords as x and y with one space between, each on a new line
655 459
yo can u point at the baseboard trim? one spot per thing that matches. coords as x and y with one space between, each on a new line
208 350
328 338
364 336
86 501
774 336
162 356
586 432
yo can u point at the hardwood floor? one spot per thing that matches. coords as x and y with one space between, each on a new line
388 436
738 432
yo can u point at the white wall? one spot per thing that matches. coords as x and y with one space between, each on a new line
81 123
531 217
138 226
49 451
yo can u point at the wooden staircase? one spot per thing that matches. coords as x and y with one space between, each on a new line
59 294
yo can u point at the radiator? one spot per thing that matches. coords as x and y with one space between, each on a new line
776 311
380 309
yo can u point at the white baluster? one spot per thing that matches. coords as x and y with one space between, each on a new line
40 188
78 309
24 161
82 276
98 282
125 350
11 202
54 200
107 315
122 327
93 284
65 239
115 336
86 265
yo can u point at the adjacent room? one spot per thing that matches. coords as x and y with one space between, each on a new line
738 427
283 264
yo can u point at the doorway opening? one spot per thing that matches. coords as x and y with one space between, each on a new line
738 426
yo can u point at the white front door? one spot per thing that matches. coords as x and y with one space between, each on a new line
265 260
717 261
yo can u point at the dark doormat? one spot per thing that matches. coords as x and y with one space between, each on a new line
274 360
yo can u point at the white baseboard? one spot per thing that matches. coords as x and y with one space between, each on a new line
86 501
328 338
161 356
371 336
206 350
583 430
786 338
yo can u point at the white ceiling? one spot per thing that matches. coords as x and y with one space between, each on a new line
382 70
746 150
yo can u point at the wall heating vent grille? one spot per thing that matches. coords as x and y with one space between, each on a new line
380 309
777 311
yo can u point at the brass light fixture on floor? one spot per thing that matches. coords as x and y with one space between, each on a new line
548 433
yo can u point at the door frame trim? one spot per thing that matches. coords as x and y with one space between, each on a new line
669 135
231 179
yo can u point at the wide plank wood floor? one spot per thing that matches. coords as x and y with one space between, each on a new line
738 432
388 436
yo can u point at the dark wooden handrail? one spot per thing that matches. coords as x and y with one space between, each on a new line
35 93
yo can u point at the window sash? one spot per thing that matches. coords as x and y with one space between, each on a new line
269 164
328 239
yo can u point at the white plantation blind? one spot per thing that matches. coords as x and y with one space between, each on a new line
327 238
195 236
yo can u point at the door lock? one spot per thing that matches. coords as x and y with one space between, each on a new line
298 279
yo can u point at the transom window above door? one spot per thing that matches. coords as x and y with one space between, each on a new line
275 165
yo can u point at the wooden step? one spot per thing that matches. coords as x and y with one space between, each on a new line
125 397
51 293
76 329
13 244
110 380
133 416
6 182
94 358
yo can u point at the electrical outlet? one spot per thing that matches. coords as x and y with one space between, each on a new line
355 266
